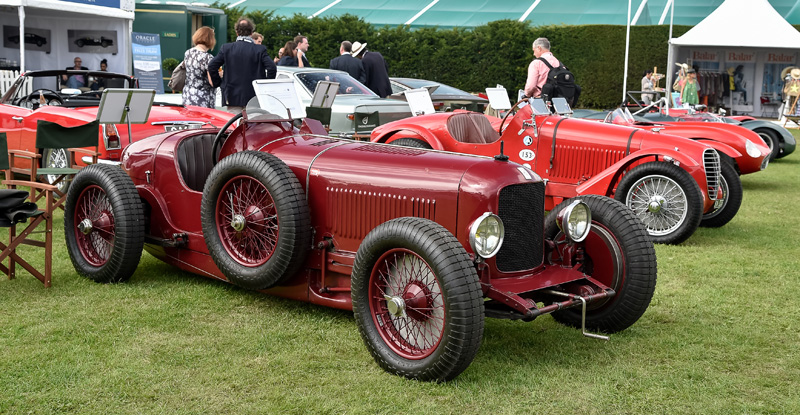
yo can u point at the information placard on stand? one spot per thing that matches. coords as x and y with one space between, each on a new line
498 98
128 106
123 105
324 94
282 90
420 101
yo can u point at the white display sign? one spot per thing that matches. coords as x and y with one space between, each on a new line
278 95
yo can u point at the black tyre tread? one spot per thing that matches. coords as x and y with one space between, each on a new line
128 223
293 216
634 296
733 199
460 286
411 142
687 183
776 141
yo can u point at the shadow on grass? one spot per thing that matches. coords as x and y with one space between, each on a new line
154 272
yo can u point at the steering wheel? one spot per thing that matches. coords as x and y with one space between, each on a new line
510 111
33 96
220 138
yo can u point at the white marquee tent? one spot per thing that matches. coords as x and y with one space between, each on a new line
750 26
50 29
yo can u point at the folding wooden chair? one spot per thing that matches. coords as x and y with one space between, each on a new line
17 207
50 135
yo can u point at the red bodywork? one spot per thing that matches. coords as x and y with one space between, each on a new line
19 124
586 157
351 188
728 139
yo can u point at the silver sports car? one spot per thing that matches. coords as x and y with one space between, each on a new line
356 109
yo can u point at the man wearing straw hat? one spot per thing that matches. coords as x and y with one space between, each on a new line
376 69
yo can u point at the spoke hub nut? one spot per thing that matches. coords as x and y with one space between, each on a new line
238 223
656 204
85 226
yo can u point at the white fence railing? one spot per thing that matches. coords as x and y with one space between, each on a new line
7 78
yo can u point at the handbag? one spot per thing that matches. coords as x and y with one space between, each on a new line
178 78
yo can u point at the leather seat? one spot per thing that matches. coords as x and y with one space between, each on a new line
471 128
196 160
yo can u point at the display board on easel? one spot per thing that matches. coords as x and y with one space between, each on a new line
125 106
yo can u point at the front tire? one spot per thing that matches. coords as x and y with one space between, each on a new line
417 300
619 254
771 140
104 224
255 219
726 208
665 197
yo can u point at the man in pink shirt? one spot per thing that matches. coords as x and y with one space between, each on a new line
537 70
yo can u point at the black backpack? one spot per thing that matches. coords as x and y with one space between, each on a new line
560 83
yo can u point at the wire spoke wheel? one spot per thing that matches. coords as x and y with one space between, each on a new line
665 197
104 224
247 221
59 159
406 303
94 219
660 202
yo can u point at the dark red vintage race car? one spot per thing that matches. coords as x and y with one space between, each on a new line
673 184
422 245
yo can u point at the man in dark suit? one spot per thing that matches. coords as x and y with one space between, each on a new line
375 68
247 62
346 62
302 49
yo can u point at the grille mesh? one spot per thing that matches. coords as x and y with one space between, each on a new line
522 212
712 166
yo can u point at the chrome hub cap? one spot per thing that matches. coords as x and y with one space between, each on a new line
85 226
656 203
395 305
238 222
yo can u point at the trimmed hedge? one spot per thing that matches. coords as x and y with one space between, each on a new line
496 53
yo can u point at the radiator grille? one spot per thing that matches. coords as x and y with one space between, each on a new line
522 211
713 168
573 162
353 213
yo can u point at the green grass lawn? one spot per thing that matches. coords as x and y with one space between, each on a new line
720 337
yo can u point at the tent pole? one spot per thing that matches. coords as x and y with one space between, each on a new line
21 38
627 49
670 56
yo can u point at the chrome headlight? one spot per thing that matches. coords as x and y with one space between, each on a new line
575 221
751 149
486 235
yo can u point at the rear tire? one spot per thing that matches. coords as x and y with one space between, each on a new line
255 219
665 197
619 254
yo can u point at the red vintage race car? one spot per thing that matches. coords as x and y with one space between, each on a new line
745 151
779 140
38 95
421 245
669 182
